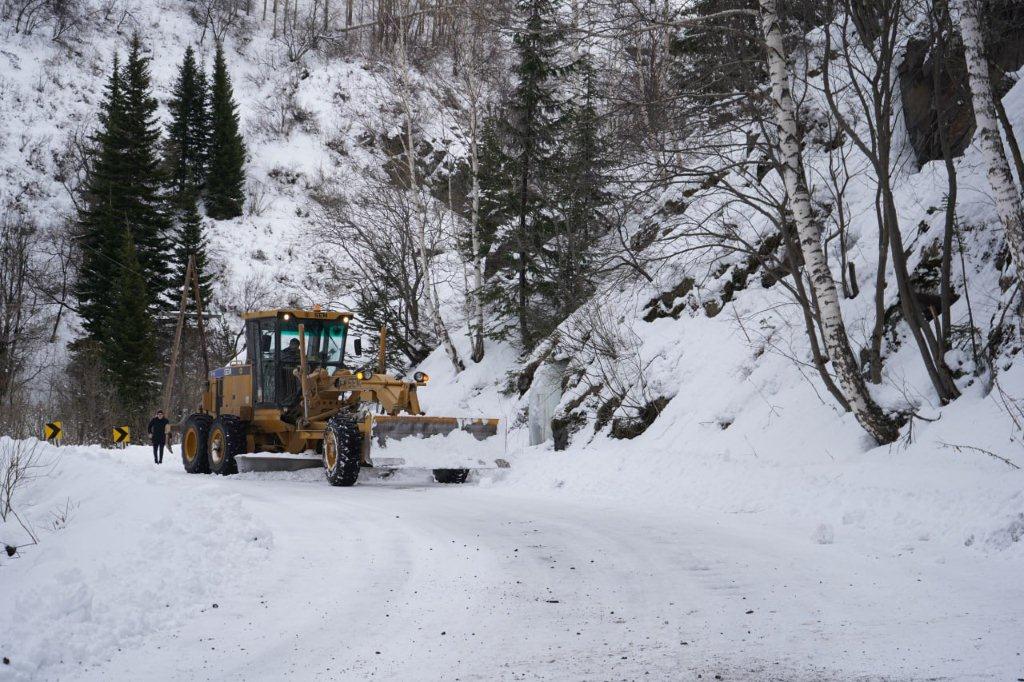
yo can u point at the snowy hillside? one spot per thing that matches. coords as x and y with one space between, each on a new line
686 498
306 124
745 426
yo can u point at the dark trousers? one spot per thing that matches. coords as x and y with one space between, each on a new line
158 452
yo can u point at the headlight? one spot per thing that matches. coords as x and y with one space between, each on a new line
421 377
363 376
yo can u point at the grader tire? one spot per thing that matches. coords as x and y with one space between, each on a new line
227 439
195 441
453 476
343 445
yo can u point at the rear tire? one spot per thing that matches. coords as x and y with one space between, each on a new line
343 447
451 476
195 442
227 439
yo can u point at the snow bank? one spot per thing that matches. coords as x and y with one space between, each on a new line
755 442
141 551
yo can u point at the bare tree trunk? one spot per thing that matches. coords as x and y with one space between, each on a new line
431 298
946 276
867 412
877 332
477 327
934 362
873 92
1004 189
820 360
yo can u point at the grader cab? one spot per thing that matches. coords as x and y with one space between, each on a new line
296 402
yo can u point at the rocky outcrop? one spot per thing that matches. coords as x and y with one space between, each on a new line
929 84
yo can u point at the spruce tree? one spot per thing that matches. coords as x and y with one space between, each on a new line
225 185
145 210
527 166
100 219
581 193
128 351
191 240
188 134
496 188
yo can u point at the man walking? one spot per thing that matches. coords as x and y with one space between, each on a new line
158 433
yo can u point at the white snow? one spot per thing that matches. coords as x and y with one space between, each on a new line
401 579
134 558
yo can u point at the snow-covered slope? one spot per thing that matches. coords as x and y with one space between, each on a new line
748 427
309 124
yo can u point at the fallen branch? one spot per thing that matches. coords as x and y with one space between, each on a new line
961 448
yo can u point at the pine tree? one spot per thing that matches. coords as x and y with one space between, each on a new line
100 219
191 240
225 185
128 351
145 210
188 134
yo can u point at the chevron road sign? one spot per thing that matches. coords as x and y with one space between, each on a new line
53 431
122 435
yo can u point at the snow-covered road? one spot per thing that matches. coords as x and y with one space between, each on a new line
407 580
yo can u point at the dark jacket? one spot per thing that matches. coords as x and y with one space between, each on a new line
158 429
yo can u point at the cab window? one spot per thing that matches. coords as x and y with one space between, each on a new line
266 358
332 344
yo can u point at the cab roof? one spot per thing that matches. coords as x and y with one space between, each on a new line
313 314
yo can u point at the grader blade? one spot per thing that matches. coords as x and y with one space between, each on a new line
450 442
387 428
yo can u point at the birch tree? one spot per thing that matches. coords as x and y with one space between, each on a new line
1004 189
870 416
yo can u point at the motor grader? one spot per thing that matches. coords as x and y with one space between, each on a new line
294 403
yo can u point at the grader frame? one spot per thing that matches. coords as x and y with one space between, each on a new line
268 414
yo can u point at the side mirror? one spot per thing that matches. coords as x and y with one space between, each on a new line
357 346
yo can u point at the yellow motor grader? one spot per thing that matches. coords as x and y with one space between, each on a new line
294 403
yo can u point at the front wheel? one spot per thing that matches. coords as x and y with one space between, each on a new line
194 444
451 475
227 439
343 445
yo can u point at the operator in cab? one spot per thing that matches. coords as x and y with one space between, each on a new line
290 355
